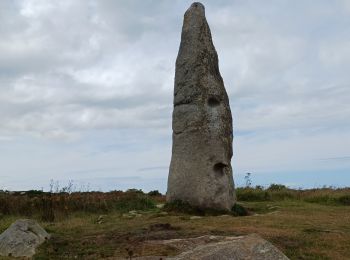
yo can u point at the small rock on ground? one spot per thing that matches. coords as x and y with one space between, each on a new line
195 217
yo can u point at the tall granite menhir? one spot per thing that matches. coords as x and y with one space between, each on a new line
200 169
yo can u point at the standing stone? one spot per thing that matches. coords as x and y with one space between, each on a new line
200 169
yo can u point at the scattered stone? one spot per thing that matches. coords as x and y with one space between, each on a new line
100 219
273 212
200 169
195 217
160 206
132 213
125 215
22 238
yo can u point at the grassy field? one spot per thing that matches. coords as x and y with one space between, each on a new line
312 224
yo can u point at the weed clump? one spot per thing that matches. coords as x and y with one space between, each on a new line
154 193
239 210
344 200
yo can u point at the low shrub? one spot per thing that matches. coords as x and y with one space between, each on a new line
251 194
135 191
344 200
134 202
283 194
276 187
239 210
154 193
320 199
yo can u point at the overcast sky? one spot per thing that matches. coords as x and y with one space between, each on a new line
86 90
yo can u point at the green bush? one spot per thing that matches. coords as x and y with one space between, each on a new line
134 202
135 191
33 193
320 199
282 194
251 194
276 187
344 200
239 210
154 193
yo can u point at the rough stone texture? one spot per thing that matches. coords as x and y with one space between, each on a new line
22 238
200 169
234 248
220 247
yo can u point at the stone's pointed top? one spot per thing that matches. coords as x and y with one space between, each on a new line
197 5
197 9
194 22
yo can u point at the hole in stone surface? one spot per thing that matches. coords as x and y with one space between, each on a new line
219 168
213 102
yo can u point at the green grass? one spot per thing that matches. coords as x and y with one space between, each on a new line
313 224
300 229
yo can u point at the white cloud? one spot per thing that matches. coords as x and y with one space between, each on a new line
335 53
70 71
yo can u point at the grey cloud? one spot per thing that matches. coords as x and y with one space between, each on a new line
68 66
75 70
342 158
